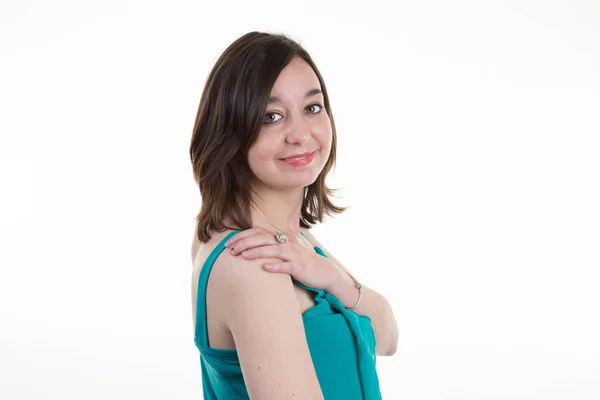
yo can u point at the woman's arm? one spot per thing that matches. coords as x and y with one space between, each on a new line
372 304
268 330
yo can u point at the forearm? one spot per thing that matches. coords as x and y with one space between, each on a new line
372 304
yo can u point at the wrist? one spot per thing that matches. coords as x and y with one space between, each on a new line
340 277
345 288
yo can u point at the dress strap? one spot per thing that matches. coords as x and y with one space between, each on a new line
306 238
201 329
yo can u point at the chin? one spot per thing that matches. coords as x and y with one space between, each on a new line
298 183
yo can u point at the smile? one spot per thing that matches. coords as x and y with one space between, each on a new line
299 161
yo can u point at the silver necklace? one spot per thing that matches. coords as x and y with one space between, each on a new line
279 233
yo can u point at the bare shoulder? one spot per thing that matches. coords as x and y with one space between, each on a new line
268 329
200 249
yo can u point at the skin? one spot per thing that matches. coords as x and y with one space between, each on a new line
303 263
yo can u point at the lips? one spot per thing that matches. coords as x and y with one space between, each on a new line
298 155
299 162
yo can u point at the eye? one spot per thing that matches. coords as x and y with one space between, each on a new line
269 120
316 105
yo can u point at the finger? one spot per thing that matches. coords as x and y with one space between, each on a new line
280 251
284 268
253 242
242 235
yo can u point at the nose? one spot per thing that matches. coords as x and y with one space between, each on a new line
298 132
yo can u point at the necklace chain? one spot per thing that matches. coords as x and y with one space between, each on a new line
279 230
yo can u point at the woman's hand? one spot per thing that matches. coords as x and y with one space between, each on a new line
305 265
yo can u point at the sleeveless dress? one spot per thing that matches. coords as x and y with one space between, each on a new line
341 344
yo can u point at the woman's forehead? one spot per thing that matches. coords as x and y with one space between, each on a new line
296 80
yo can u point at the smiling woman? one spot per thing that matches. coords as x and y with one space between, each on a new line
275 315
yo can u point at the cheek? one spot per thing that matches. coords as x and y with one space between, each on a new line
254 158
325 138
260 155
324 129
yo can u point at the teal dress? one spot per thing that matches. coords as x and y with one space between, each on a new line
341 344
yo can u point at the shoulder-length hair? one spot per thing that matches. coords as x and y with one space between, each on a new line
229 118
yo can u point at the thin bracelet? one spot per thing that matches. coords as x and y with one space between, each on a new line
358 285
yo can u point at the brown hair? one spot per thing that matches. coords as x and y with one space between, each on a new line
229 118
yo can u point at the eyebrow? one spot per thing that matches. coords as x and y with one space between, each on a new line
312 92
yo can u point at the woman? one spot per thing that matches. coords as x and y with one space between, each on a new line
263 142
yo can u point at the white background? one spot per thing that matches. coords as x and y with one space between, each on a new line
468 153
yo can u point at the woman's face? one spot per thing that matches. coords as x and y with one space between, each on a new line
295 123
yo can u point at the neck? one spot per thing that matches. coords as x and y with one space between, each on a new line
281 208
